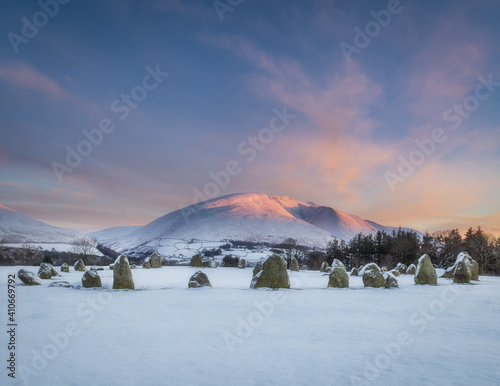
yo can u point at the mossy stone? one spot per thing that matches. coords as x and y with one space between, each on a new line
28 278
122 274
91 279
199 279
338 278
80 266
372 276
273 274
426 273
462 273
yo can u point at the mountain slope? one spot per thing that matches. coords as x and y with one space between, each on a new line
340 224
16 227
247 216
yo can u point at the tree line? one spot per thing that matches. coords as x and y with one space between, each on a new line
406 247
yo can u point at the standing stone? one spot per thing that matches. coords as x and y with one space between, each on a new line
401 268
65 268
199 279
196 261
324 267
472 265
155 260
372 276
146 264
272 275
354 272
426 273
390 280
122 274
28 278
111 266
412 269
46 271
338 278
294 265
474 272
80 266
242 264
91 279
395 272
462 273
258 266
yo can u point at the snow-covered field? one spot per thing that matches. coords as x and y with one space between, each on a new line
166 334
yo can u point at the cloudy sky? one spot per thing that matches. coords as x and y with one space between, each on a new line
117 112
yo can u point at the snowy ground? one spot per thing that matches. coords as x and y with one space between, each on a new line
183 251
166 334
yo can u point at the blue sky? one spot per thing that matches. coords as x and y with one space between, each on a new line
355 119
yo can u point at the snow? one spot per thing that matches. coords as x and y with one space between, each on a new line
16 227
245 216
165 333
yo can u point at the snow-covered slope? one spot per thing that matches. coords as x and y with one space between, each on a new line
247 216
108 235
342 225
16 227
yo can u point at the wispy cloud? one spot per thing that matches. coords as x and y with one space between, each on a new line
25 76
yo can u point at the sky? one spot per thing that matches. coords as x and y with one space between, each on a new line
117 112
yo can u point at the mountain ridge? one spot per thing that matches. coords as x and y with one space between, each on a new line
254 217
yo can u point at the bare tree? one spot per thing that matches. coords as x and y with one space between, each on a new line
84 246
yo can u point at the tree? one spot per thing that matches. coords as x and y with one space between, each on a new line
481 247
337 250
84 247
31 255
450 244
230 261
292 250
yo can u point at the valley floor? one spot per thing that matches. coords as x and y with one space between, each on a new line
166 334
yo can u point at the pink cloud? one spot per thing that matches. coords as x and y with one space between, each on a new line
25 76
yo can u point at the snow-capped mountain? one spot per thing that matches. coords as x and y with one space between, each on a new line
246 216
340 224
16 227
